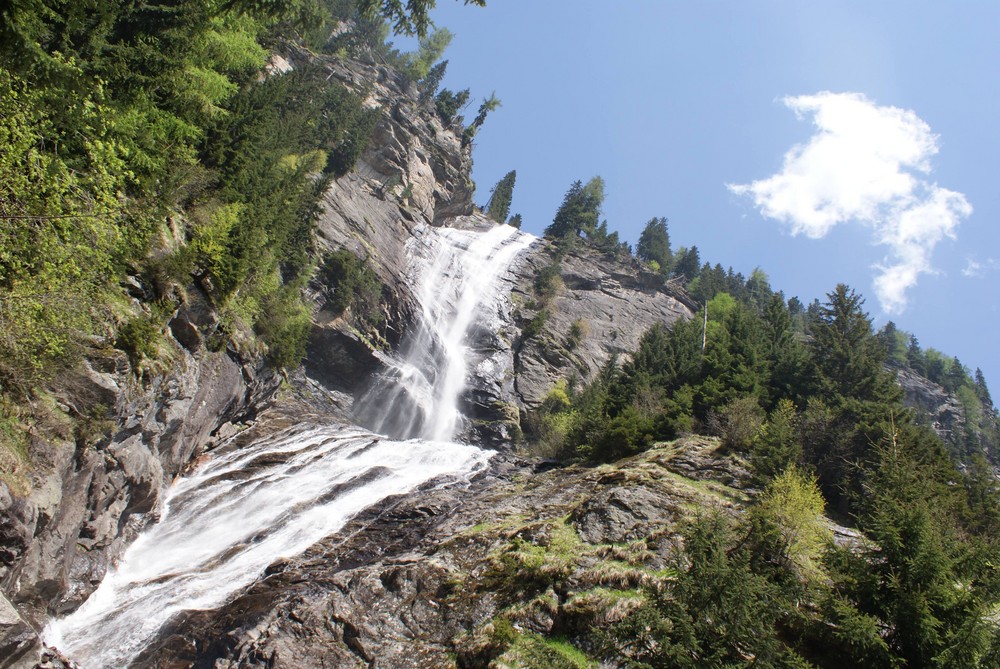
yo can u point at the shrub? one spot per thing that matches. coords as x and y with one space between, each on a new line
350 283
535 325
738 423
139 338
577 331
548 282
284 326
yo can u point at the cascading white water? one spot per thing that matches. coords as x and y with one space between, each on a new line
224 523
457 280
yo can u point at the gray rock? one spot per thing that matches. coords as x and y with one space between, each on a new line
19 644
613 302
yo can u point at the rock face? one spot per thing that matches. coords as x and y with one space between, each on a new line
417 581
600 309
92 493
415 173
933 403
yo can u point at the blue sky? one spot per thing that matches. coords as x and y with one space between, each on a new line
869 129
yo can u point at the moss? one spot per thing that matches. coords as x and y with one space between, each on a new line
15 463
532 651
539 556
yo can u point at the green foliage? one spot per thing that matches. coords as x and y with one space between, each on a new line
448 104
687 263
654 244
114 115
849 357
535 326
777 446
514 221
284 325
547 282
488 105
409 18
578 330
792 505
429 84
738 423
139 338
531 651
417 66
720 611
349 283
65 231
498 206
917 576
579 210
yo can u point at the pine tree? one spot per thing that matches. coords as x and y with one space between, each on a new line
654 244
498 205
430 84
848 355
579 211
515 221
688 263
981 390
409 18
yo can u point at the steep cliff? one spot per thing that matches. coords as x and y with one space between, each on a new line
91 493
599 308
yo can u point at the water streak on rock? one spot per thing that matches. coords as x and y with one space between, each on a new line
458 276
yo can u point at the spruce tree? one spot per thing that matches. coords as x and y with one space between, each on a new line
654 244
982 392
579 211
848 355
498 206
688 263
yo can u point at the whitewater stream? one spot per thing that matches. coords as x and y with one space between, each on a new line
244 508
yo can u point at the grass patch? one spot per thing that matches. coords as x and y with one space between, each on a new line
531 651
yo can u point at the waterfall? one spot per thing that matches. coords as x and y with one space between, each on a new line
246 507
457 276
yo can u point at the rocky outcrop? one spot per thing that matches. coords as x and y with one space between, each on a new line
933 403
416 173
600 308
417 581
112 445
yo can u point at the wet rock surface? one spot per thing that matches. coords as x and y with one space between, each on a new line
417 580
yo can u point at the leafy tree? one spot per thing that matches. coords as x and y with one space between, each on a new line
350 283
488 105
792 505
848 356
718 611
911 576
418 65
654 244
498 205
579 210
758 287
429 85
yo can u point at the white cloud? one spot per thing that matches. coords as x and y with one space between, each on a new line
868 164
976 269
